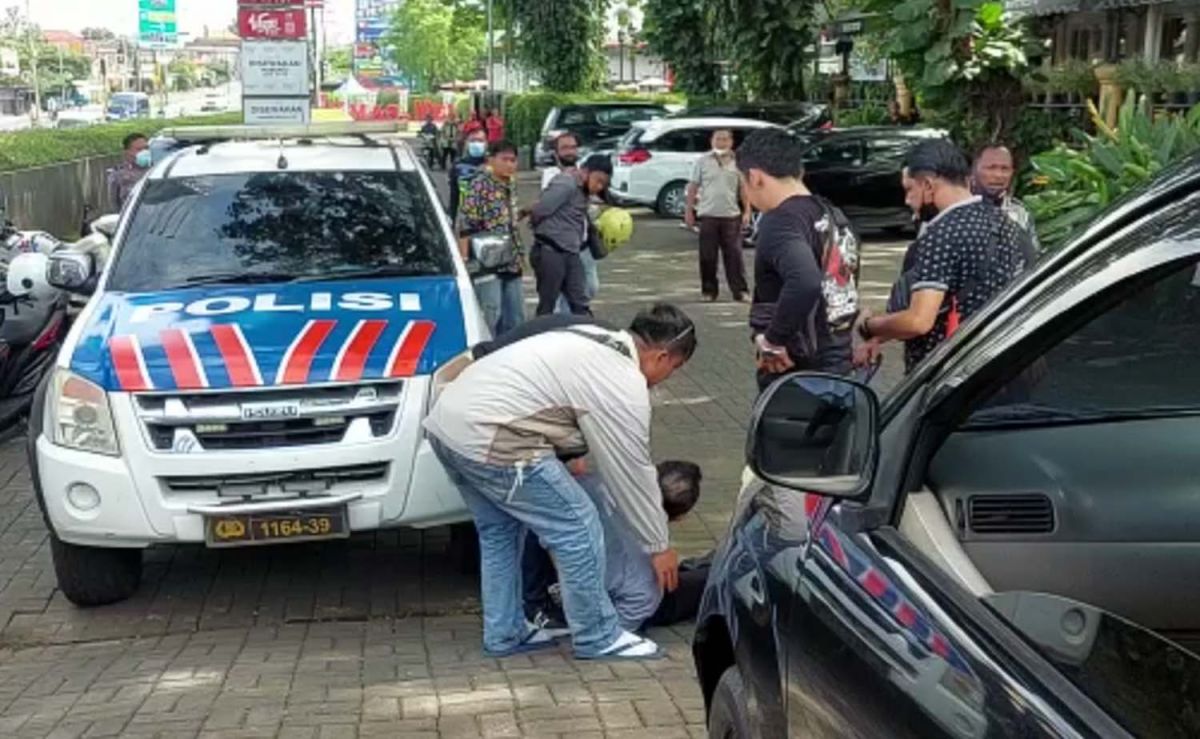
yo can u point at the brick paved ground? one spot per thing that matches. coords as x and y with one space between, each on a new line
377 635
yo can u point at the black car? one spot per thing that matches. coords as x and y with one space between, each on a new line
599 126
1003 546
858 169
800 117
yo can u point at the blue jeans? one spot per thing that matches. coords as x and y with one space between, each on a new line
543 498
591 275
502 300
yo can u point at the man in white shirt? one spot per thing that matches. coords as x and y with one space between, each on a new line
499 429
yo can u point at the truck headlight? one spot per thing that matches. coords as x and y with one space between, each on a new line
78 415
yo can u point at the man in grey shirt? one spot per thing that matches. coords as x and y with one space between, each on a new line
559 221
714 194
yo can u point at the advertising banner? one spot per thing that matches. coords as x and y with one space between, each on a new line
268 111
275 68
291 23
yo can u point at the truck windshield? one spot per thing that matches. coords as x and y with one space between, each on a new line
290 225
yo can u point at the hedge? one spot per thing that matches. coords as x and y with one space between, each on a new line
524 114
39 147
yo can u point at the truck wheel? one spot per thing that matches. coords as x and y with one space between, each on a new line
729 717
464 548
95 576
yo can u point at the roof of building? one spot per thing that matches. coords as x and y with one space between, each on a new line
61 37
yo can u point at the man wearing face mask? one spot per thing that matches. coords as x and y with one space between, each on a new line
566 157
474 157
122 179
561 232
992 179
968 251
714 195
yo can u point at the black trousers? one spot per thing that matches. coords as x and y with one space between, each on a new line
559 273
722 236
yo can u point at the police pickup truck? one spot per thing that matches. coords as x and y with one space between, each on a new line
256 357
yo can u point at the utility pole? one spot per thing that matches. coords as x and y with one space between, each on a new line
491 42
33 62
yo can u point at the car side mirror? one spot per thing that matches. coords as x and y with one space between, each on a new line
73 272
816 433
107 225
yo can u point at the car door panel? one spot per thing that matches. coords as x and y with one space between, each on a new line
1111 537
873 654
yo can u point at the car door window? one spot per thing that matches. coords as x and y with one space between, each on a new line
1136 357
835 153
571 118
625 116
686 141
887 150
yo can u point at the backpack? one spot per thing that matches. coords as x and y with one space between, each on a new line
839 261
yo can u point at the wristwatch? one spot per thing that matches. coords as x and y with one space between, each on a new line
864 329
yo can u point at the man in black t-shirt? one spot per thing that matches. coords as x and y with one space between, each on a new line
967 252
788 314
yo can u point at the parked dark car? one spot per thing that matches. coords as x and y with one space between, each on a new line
1005 545
858 169
796 116
599 126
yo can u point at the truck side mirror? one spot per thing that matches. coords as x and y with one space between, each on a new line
72 272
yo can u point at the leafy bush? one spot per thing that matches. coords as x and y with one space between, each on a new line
525 114
1070 186
869 114
1075 77
39 147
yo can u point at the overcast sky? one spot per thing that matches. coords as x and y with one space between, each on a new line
120 16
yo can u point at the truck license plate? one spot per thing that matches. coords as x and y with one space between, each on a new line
245 529
270 411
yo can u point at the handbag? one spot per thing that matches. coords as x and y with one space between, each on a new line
493 251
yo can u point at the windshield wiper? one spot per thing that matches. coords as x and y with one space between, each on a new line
380 272
234 278
1026 413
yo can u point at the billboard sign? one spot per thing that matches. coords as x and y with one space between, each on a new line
157 27
291 23
275 68
268 111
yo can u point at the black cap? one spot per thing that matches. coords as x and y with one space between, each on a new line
598 163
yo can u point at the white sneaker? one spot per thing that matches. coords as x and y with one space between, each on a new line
630 646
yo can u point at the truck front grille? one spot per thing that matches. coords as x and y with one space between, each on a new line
288 483
189 423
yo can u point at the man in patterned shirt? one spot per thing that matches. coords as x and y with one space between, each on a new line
968 252
490 206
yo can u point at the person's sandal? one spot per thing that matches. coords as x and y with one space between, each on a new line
628 646
536 640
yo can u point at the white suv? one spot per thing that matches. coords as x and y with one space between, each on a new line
257 358
654 161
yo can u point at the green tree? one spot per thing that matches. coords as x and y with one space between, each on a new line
97 34
766 40
965 59
683 33
339 62
561 41
182 74
429 47
218 72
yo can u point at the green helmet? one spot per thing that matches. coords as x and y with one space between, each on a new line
615 227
